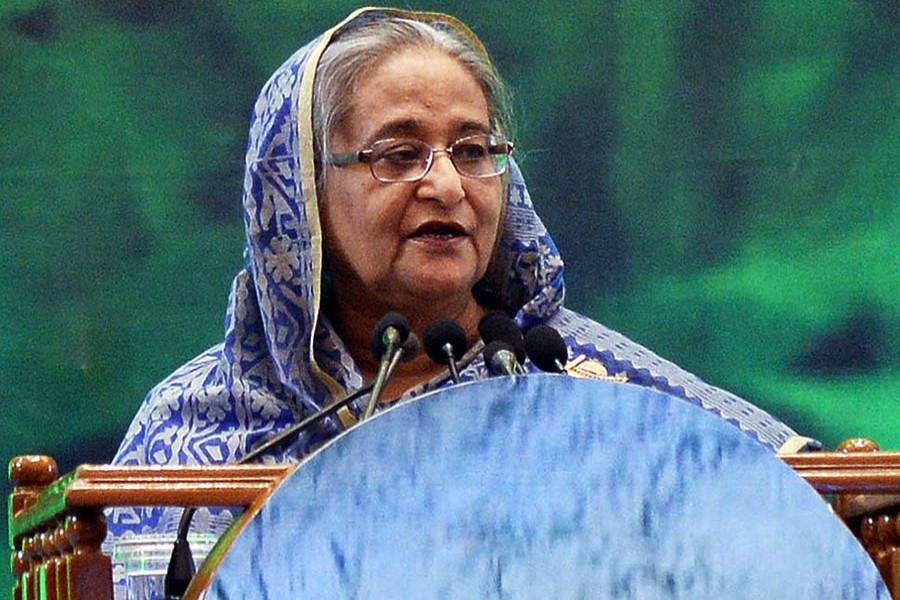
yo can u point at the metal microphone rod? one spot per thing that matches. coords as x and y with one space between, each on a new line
395 360
377 387
500 358
392 338
451 361
393 332
385 370
303 425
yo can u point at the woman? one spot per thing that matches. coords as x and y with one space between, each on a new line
378 179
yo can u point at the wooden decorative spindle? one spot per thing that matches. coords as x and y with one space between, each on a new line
64 552
47 579
19 568
90 571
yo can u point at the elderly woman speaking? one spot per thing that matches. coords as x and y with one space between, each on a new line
378 179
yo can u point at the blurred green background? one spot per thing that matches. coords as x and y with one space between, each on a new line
721 177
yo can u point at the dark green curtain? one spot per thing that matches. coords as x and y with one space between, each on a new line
721 177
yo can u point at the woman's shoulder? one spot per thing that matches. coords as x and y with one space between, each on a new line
202 413
595 348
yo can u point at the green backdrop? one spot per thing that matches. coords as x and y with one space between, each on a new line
721 177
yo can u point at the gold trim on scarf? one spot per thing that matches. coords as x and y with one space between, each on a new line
306 152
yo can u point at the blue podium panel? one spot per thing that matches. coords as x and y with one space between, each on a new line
545 487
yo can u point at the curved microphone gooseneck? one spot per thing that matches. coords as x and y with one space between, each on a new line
181 569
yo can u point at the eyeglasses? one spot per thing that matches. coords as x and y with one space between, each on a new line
398 160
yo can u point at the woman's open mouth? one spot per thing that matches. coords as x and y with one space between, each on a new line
438 231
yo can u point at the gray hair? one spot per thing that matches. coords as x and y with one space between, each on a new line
353 53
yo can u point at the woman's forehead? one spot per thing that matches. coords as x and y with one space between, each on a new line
416 92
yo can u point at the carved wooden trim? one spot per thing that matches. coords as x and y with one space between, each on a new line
849 473
56 526
92 486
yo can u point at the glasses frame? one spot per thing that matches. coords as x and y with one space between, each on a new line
366 156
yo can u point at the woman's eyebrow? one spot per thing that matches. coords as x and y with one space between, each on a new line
414 128
470 127
398 128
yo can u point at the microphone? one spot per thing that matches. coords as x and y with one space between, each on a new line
390 333
406 352
497 326
500 358
411 347
546 349
445 343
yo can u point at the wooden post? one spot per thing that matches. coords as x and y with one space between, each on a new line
877 528
29 475
90 571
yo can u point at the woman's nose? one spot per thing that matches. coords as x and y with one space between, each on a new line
442 182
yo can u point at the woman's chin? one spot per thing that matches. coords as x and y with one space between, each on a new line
442 290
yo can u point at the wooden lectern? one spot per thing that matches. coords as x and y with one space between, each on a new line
57 525
573 482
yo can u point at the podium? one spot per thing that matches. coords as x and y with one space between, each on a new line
524 486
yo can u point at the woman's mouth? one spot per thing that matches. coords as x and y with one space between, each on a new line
438 231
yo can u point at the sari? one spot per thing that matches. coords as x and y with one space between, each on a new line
281 359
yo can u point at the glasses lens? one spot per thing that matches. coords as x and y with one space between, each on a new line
480 155
399 160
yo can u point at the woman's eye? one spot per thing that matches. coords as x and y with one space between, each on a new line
401 154
469 151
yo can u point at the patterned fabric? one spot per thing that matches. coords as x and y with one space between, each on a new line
281 359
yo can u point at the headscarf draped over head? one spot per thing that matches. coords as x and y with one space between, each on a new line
284 251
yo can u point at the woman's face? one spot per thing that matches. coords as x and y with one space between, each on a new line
398 245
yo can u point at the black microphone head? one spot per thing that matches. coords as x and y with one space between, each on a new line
390 320
499 326
546 348
411 347
500 358
441 332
